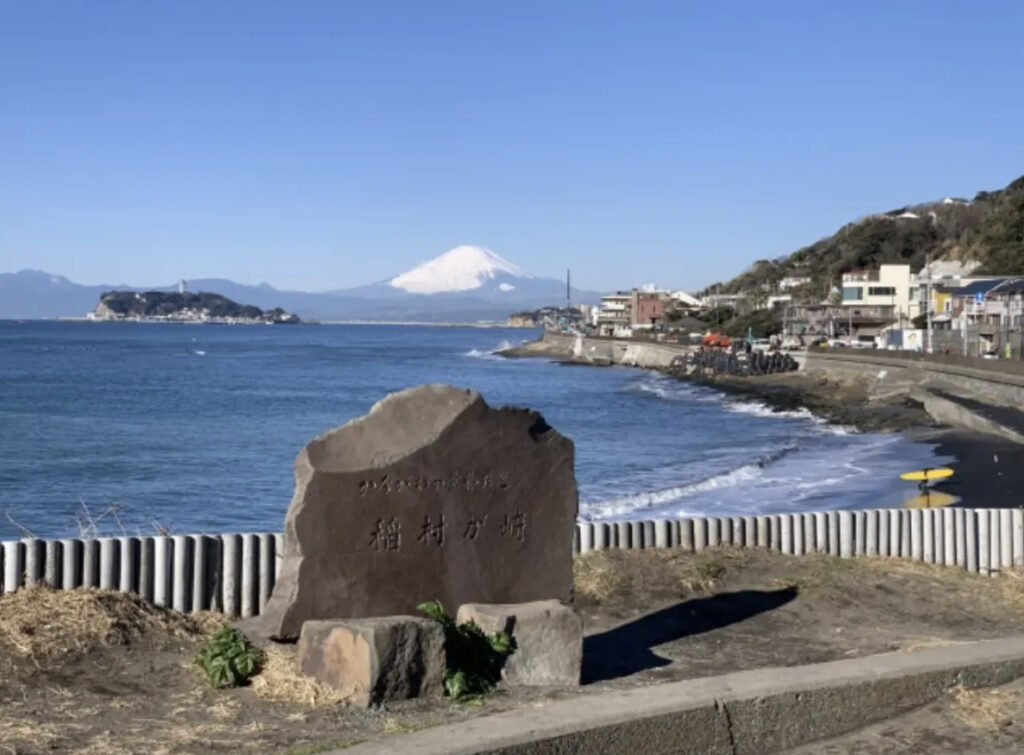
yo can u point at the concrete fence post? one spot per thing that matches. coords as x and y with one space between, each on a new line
739 534
700 534
871 533
834 548
1017 523
994 553
809 542
600 537
162 570
798 534
906 537
147 564
279 550
14 565
984 541
960 519
763 532
939 535
34 561
883 532
231 584
250 574
51 571
786 534
1006 538
198 597
128 548
928 535
108 562
686 535
948 537
636 535
895 533
586 536
846 540
725 530
267 569
90 563
821 531
648 540
661 533
749 532
916 535
71 563
714 532
775 532
576 540
625 535
181 584
860 533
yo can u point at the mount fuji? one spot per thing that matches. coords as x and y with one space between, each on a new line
465 284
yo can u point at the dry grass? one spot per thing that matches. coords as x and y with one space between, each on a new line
281 681
42 624
987 709
603 576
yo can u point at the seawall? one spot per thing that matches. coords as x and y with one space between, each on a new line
604 351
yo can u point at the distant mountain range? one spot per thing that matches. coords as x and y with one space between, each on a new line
465 284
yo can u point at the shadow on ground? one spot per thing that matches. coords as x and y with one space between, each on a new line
628 648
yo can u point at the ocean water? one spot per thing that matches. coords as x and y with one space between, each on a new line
132 428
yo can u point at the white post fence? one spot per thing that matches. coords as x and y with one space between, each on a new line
235 573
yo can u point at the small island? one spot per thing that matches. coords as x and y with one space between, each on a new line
184 306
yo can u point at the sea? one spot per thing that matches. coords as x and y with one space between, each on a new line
137 428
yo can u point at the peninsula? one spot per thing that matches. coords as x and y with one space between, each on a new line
184 306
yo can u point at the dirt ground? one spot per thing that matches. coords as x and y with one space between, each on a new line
99 672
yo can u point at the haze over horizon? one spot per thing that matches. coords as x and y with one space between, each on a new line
323 146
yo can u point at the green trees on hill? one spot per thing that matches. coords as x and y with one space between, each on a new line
989 229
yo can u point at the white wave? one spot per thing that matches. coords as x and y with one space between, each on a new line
758 409
505 345
199 353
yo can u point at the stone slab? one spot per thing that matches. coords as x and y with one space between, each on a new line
375 660
432 495
548 638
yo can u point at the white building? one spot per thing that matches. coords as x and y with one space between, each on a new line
889 285
793 281
613 316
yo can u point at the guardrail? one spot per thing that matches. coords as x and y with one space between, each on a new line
235 573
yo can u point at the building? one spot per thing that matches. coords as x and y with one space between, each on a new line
889 285
613 316
807 323
793 281
647 308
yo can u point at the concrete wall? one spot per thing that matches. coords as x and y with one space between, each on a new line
635 353
235 574
995 380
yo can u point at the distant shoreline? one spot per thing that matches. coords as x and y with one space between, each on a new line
481 325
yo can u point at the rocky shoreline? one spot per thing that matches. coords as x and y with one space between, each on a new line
987 472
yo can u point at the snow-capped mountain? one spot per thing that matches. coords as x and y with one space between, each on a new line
464 268
465 284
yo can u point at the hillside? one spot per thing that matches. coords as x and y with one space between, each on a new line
183 306
989 229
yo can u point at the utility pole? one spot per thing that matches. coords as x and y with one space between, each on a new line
928 297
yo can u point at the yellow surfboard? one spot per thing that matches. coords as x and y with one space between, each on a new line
927 475
932 500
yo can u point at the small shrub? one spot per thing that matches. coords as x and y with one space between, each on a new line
229 659
473 659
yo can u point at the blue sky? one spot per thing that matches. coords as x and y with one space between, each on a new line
319 145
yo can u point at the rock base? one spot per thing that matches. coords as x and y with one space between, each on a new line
548 637
375 660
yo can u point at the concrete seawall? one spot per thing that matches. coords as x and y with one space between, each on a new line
604 351
235 573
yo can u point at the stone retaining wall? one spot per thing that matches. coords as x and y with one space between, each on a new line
235 573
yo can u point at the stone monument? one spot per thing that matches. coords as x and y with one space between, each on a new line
433 494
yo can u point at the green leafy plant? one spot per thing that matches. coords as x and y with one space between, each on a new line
473 659
229 659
